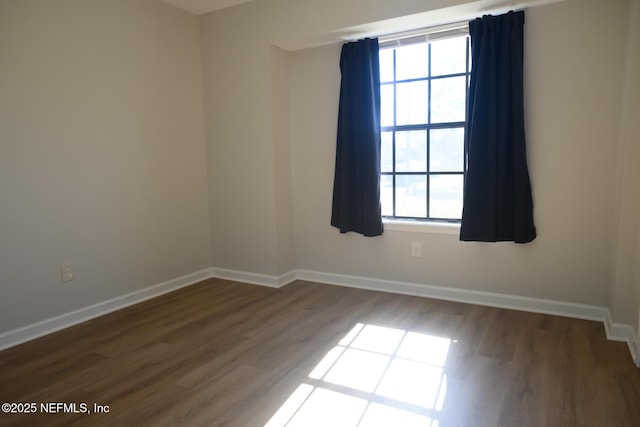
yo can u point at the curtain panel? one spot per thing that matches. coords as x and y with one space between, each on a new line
356 187
498 204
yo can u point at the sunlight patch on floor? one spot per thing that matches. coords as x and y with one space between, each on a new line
375 376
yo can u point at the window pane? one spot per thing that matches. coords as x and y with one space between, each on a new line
386 104
412 61
445 196
386 65
412 103
411 151
386 194
411 195
447 150
448 56
386 152
411 174
448 99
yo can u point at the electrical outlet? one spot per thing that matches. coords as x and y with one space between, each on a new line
66 273
416 249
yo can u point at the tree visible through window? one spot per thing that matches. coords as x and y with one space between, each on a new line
424 89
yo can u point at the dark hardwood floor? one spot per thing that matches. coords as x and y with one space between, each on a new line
221 353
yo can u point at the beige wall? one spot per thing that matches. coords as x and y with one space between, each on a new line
240 132
572 111
108 159
625 290
574 85
246 111
102 153
282 159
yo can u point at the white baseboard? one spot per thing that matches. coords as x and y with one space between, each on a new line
624 333
490 299
254 278
615 331
36 330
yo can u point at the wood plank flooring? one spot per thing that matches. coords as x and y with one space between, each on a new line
221 353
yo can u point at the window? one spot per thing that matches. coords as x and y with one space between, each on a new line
424 85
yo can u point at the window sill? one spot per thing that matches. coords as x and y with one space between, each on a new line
422 227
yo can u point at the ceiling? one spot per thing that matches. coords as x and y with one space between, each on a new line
200 7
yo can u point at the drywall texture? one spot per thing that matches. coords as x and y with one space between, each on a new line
246 111
574 82
626 281
240 130
572 174
102 152
108 159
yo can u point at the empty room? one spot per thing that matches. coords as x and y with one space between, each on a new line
320 213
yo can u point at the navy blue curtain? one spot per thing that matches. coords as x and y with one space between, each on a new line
356 185
497 198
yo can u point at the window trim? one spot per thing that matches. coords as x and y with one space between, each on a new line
426 36
439 32
432 227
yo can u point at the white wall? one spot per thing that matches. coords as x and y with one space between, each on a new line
102 153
